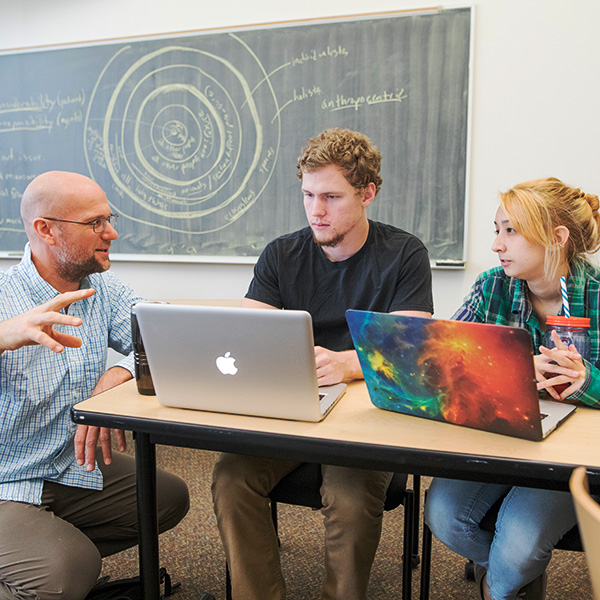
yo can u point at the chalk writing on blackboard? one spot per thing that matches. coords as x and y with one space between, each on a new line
182 135
195 137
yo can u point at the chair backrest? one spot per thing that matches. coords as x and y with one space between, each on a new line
588 516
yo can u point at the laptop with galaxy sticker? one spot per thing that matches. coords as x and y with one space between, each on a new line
471 374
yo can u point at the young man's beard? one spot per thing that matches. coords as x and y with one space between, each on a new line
332 243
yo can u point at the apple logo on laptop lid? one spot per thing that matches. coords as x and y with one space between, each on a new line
226 364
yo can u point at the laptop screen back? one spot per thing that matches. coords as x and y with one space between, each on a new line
235 360
471 374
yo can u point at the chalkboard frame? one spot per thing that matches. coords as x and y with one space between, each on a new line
454 262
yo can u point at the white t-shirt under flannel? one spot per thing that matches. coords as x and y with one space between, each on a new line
38 387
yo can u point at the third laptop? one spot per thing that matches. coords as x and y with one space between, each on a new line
472 374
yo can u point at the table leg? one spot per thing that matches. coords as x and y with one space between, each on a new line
145 466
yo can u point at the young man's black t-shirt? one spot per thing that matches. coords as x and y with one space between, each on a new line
391 272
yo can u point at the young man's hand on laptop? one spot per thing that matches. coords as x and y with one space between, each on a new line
335 367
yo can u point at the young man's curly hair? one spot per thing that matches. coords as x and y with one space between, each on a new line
353 152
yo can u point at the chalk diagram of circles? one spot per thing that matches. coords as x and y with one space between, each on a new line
182 136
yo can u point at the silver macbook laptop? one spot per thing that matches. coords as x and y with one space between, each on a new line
472 374
235 360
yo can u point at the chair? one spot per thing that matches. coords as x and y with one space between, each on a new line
302 487
588 517
569 541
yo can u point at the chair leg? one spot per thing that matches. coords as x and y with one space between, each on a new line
227 582
409 508
416 515
274 514
470 570
425 560
275 521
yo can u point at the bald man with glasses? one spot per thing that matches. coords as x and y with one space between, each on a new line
64 504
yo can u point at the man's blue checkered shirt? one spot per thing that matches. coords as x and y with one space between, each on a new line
38 387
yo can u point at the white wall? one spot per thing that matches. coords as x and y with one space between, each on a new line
534 104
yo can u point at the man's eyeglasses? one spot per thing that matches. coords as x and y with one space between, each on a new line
98 225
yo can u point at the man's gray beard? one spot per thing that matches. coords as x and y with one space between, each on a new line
77 272
332 243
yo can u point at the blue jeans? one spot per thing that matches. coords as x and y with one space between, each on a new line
529 525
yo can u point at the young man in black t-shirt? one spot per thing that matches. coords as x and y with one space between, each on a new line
341 260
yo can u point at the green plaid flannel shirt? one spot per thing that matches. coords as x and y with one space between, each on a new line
497 298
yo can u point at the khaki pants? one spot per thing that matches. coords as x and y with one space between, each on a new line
54 550
353 501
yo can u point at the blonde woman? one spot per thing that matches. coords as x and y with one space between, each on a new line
544 230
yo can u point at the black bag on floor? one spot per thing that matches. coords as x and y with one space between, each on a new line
129 589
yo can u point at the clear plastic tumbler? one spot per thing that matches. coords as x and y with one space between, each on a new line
571 330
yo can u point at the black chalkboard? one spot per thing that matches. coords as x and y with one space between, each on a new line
195 137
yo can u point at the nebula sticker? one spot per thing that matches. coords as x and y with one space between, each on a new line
462 373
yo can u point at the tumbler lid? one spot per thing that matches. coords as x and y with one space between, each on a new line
560 321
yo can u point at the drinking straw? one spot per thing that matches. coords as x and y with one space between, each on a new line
565 298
